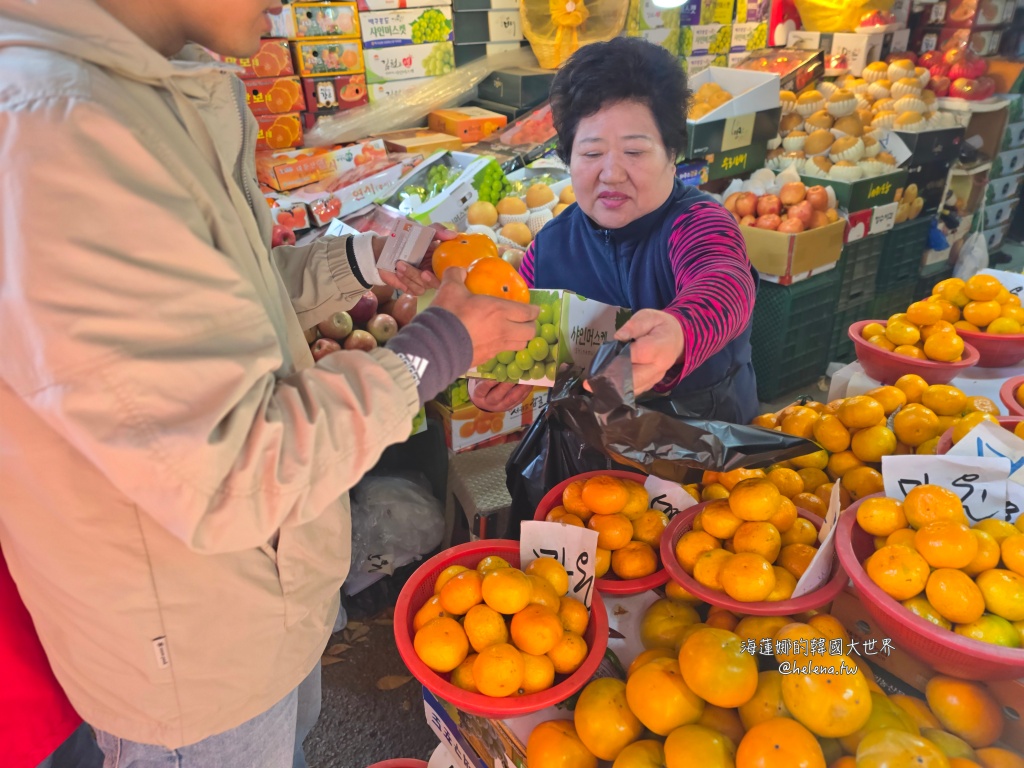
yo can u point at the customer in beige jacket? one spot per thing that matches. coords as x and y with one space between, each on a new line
173 464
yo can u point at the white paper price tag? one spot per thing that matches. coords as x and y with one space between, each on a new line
979 482
1014 502
820 567
383 564
991 440
575 548
667 497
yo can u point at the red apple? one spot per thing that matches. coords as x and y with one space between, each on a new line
746 204
963 88
986 87
803 211
792 193
962 69
405 309
768 221
384 293
364 309
768 204
939 85
323 347
337 326
282 235
382 327
819 219
953 55
360 340
748 221
939 70
730 202
929 59
792 226
817 196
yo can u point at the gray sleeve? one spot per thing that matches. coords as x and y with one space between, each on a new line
436 348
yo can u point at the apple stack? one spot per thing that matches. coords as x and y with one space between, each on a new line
958 74
796 208
374 320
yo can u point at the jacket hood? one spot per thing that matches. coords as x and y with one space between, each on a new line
82 29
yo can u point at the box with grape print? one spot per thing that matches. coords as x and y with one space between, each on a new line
570 329
415 26
445 185
405 62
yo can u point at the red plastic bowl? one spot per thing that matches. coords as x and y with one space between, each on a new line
610 584
943 650
1007 392
887 367
996 351
946 441
683 522
420 587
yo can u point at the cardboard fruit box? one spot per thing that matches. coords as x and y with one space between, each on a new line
407 62
865 193
324 94
940 146
327 56
274 95
325 19
271 60
467 427
291 169
385 29
470 124
419 140
751 115
789 257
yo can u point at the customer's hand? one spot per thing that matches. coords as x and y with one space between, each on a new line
406 277
494 325
497 396
657 346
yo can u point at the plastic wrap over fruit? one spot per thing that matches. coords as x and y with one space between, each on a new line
395 519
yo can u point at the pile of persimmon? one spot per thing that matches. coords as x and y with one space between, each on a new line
753 545
629 531
501 631
696 697
962 577
854 434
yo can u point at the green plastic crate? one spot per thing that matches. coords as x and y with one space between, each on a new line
790 335
859 266
930 275
840 348
896 299
901 256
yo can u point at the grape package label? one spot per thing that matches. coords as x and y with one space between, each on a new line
413 26
405 62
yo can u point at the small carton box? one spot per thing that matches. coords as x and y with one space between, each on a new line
1014 136
327 94
279 131
466 427
749 36
750 117
516 87
407 62
796 68
380 91
941 146
273 59
1004 188
970 13
384 29
697 12
789 255
503 26
291 169
327 56
1000 213
644 14
396 5
274 95
983 42
292 215
578 326
325 19
344 196
752 11
1008 163
419 140
705 39
865 193
930 180
664 38
470 124
692 65
994 237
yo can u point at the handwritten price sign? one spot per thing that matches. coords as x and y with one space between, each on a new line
667 497
980 482
575 548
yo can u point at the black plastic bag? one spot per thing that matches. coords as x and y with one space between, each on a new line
606 428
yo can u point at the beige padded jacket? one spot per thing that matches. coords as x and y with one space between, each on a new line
173 467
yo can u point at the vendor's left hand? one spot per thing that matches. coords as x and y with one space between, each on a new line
657 346
407 278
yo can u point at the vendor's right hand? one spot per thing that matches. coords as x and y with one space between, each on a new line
494 325
497 396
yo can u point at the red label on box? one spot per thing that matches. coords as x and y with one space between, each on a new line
273 59
279 131
274 95
327 94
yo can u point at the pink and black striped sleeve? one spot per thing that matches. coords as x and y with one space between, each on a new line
527 266
714 286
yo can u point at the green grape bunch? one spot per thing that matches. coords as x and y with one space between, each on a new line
491 184
538 360
431 27
460 393
440 61
439 176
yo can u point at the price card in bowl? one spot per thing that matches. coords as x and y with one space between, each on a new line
980 482
574 547
820 567
666 496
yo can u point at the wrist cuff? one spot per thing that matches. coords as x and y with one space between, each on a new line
363 260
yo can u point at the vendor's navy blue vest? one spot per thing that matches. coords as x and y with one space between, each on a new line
630 267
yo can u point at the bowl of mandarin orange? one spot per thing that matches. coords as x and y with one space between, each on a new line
991 318
616 504
945 588
494 639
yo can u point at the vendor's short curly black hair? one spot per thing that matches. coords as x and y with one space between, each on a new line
622 69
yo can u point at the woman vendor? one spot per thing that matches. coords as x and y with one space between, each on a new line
637 237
